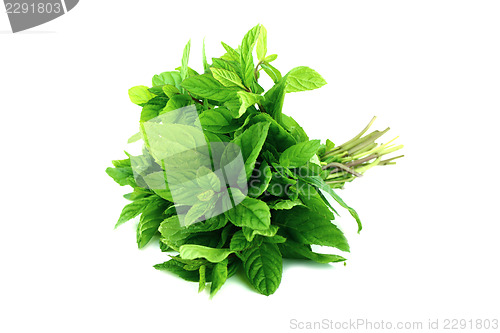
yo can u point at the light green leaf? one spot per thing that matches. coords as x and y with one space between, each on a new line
227 78
208 87
172 233
150 111
170 90
177 102
246 57
202 270
122 175
228 65
273 72
261 48
207 179
173 78
190 251
251 233
132 210
196 211
299 154
246 100
303 78
140 95
284 204
231 54
263 267
270 58
219 277
134 138
250 213
185 60
239 242
206 67
220 120
214 223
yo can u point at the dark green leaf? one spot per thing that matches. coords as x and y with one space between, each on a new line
219 277
291 249
263 267
307 227
299 154
251 213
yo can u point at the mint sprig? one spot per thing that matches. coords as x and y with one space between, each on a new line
211 229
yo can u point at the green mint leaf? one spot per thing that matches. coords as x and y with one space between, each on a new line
270 58
122 175
149 112
250 233
170 90
303 78
190 251
151 218
220 120
259 181
318 182
173 78
185 60
274 99
261 48
284 204
273 73
207 87
306 227
251 213
299 154
263 267
140 95
227 78
206 67
279 138
291 249
177 102
246 57
239 242
177 268
246 100
132 210
294 128
251 142
219 277
228 65
202 282
211 224
231 55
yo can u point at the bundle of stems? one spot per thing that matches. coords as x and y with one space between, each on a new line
344 163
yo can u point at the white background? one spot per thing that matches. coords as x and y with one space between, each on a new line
429 248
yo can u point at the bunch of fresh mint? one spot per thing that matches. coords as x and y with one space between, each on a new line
226 180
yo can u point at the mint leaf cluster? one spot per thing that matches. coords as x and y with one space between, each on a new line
282 210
